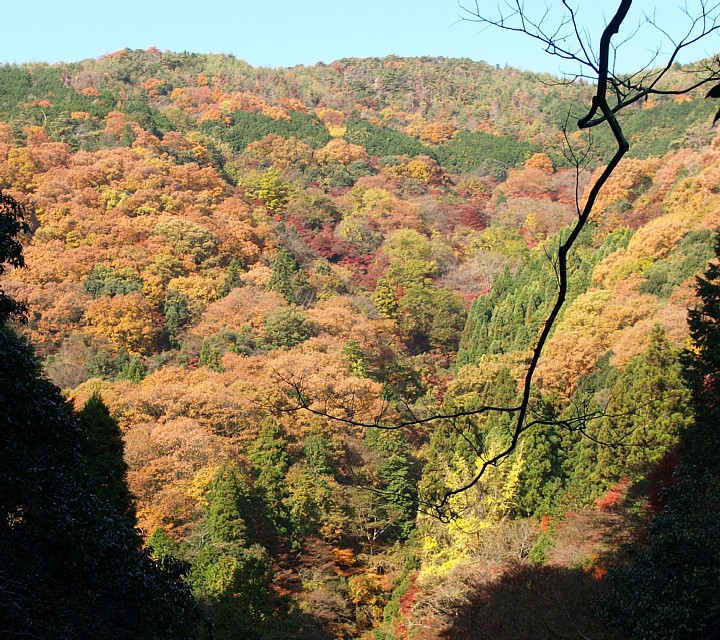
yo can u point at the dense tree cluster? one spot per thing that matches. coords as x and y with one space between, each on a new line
209 247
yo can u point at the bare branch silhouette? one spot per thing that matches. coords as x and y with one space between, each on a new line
561 36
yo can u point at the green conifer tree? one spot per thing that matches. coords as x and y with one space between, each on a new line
225 525
648 410
317 455
131 369
397 483
232 575
162 546
233 276
288 279
210 357
177 315
541 477
270 464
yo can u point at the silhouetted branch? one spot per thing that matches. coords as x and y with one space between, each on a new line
567 40
300 399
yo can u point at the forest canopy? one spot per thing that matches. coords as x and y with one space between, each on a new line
230 272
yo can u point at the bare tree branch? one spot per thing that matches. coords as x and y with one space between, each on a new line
567 40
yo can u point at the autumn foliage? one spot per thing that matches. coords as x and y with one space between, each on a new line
246 264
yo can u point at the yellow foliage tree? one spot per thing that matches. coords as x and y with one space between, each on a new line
125 320
632 178
421 168
437 132
283 153
340 151
540 161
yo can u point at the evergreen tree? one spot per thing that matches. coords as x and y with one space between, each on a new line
541 477
233 276
498 425
579 453
288 280
131 369
397 484
440 450
177 315
231 575
270 464
210 357
162 546
648 410
108 281
102 453
224 521
316 454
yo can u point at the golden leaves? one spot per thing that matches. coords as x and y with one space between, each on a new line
125 320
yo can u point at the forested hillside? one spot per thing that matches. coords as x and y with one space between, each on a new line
239 268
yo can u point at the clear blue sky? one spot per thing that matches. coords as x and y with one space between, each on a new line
288 32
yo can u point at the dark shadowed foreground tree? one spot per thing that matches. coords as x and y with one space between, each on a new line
11 225
670 589
557 27
102 455
71 564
